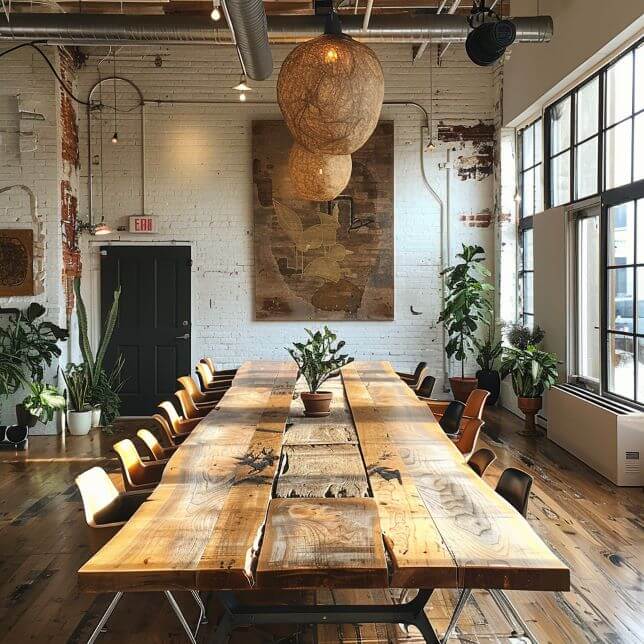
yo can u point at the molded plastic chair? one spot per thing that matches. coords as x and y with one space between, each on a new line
481 460
468 436
412 377
514 486
450 421
201 399
179 424
188 407
222 373
137 475
426 387
174 439
208 383
106 507
158 452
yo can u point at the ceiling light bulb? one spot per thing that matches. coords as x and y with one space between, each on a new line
215 14
242 97
243 86
431 145
102 229
331 55
115 137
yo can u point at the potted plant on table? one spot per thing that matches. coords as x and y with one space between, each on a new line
79 411
465 306
489 351
318 360
532 370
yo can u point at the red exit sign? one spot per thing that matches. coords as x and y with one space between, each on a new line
143 224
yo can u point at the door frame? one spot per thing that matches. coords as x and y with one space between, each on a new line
91 285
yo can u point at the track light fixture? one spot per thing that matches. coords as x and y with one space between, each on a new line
490 35
242 87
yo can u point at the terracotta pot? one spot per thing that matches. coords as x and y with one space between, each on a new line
529 407
317 404
462 387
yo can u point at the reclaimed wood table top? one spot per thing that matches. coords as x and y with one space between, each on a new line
375 495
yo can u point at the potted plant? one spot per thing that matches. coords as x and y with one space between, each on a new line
520 336
489 351
103 387
317 361
465 305
533 371
42 403
79 412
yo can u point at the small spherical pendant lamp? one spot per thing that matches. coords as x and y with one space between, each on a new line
318 177
330 90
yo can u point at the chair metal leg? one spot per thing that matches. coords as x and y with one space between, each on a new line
175 607
460 605
511 613
202 609
106 615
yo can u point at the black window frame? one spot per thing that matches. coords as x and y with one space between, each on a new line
525 169
525 224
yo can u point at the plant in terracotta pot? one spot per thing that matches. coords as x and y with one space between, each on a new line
533 371
489 351
318 360
466 304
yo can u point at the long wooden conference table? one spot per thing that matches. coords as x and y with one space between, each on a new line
373 496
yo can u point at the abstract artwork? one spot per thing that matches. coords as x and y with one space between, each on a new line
323 260
16 262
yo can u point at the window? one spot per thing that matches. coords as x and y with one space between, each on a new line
585 303
531 169
526 275
624 279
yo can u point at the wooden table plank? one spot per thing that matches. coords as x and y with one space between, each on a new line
163 544
322 543
417 551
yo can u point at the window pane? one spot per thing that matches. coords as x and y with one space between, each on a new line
528 260
528 293
587 108
560 179
640 370
620 299
638 170
528 320
538 188
621 234
640 231
639 78
640 300
527 198
538 141
559 126
586 168
621 373
618 155
619 90
528 148
588 354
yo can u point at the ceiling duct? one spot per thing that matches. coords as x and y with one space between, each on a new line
252 30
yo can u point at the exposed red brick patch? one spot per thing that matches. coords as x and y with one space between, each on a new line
71 251
68 119
482 132
476 219
505 218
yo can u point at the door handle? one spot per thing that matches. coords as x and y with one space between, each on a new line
185 336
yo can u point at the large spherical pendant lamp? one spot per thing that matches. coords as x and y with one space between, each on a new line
330 90
318 177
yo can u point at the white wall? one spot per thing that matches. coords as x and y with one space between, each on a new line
198 184
583 34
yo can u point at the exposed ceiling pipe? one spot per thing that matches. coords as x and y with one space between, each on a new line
367 15
114 29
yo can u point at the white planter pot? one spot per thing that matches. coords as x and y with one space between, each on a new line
79 422
96 417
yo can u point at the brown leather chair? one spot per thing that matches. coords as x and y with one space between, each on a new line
466 439
157 451
137 475
412 378
481 460
474 405
208 383
188 407
178 424
200 399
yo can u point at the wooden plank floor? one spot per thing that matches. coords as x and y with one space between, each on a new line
595 527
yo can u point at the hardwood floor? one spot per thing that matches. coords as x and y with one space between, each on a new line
594 527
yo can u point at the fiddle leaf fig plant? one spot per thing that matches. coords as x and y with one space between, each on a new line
466 303
318 358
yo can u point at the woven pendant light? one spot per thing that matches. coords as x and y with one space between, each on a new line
318 177
330 90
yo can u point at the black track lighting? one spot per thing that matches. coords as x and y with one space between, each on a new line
487 41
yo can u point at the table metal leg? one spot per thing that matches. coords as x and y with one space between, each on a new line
106 615
460 605
412 613
175 607
511 613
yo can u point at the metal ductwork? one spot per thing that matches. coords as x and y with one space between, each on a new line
248 24
252 29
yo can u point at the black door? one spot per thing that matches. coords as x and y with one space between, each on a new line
153 329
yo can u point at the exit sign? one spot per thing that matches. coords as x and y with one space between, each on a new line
143 224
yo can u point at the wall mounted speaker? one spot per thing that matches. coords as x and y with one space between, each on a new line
14 437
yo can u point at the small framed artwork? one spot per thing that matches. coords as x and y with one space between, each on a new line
16 262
